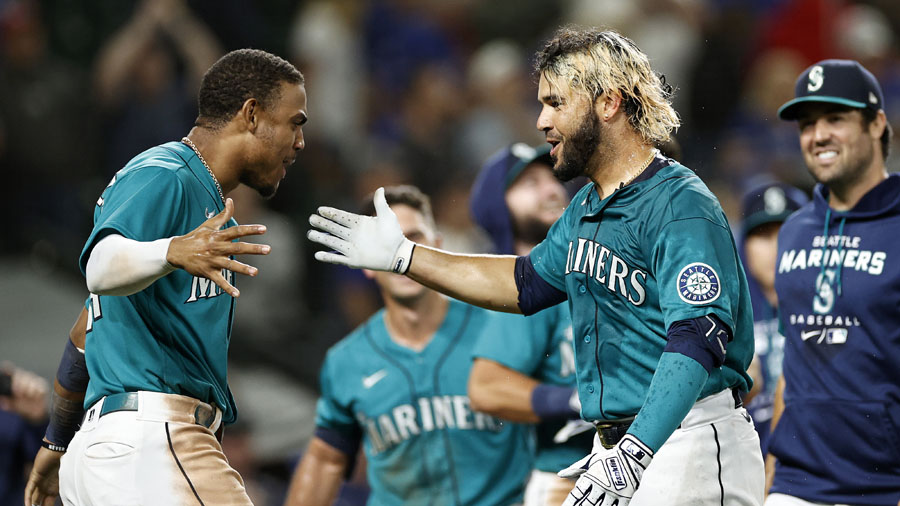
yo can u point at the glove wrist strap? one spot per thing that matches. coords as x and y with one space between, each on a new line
403 257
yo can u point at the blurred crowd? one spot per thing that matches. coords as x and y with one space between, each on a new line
400 91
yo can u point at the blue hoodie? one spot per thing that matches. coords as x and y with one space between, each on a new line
838 440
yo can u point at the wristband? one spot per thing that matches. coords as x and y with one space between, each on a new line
403 258
552 401
52 447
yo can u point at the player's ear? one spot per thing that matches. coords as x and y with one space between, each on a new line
368 273
249 114
607 104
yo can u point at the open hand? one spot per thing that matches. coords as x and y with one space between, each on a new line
366 242
207 250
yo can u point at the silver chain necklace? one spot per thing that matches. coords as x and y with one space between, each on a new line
203 161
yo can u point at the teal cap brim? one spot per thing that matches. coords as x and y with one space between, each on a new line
789 110
541 153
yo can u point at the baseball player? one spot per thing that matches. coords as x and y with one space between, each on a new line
160 270
660 308
837 440
524 368
765 207
398 385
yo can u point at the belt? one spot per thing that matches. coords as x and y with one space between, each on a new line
612 431
128 401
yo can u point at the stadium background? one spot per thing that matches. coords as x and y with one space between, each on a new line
418 91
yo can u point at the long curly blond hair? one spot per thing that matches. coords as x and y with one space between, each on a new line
596 61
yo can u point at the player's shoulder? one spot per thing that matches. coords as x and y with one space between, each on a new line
680 194
167 161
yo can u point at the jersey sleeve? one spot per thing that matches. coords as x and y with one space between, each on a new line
515 341
144 205
697 271
334 410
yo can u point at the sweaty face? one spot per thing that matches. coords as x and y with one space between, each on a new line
837 146
279 137
416 228
535 200
571 126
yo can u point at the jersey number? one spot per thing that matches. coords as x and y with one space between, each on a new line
94 312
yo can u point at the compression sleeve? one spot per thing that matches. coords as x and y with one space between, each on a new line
673 391
121 266
534 293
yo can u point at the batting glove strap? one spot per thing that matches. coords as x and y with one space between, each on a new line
609 477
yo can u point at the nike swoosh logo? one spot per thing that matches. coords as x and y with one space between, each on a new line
806 334
370 381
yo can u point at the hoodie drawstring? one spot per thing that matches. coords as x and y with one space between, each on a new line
840 249
824 245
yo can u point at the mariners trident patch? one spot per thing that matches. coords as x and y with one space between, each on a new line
698 283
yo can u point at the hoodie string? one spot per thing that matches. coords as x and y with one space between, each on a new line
840 249
825 244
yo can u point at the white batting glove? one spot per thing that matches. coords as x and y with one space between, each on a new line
608 477
364 242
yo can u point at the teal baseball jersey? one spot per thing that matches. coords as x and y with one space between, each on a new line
171 337
652 253
423 443
539 346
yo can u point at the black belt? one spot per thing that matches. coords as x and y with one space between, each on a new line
612 431
128 401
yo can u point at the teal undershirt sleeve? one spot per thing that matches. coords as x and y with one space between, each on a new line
673 391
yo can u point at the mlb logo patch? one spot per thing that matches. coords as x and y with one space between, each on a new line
698 283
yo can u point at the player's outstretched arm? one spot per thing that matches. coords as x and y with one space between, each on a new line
121 266
318 476
65 415
377 243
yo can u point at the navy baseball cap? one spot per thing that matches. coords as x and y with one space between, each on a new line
487 201
770 203
844 82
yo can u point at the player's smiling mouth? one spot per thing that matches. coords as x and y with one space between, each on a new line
825 155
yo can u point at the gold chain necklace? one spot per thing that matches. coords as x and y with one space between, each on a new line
203 161
642 169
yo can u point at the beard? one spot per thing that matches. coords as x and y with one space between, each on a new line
578 149
530 230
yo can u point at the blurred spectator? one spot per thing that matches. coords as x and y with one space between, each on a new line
504 102
147 75
23 419
325 42
755 142
47 141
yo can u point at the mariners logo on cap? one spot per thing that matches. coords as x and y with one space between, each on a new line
816 78
775 200
698 283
